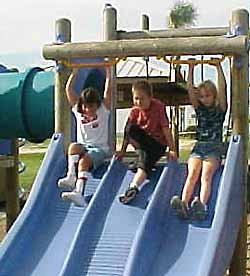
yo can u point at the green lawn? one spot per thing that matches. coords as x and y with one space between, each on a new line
32 162
184 154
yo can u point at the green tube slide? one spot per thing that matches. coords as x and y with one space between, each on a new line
27 101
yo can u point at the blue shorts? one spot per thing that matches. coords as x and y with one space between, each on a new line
96 154
206 150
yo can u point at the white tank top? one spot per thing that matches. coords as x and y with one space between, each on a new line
94 131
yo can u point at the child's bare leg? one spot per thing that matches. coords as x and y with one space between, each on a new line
181 205
85 163
139 178
74 148
133 188
194 168
209 167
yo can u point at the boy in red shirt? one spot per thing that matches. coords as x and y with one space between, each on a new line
147 129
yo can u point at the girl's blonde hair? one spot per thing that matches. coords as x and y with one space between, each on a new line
209 85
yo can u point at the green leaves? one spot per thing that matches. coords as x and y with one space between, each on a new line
182 14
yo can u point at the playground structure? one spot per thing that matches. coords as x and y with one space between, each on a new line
94 227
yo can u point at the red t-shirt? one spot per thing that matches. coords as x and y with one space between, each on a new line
152 120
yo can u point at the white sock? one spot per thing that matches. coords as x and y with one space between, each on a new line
81 181
72 160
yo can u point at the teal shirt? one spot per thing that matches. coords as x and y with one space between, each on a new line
210 123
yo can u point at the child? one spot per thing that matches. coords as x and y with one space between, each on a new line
91 148
210 106
147 129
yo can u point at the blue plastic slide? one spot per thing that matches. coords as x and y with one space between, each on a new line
167 246
144 238
106 236
40 239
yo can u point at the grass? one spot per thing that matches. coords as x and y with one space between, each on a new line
32 162
184 154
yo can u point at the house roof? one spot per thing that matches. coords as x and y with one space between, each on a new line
136 67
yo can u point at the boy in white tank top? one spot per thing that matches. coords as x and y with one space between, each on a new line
91 148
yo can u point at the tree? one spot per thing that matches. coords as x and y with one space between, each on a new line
183 14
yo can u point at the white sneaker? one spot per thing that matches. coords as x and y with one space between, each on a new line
67 182
76 197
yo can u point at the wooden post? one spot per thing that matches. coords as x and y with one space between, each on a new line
145 27
62 108
175 130
144 22
109 33
11 187
240 103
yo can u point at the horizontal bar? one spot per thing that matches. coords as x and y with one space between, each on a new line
194 61
148 47
171 33
109 62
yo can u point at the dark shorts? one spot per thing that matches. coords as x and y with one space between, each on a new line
150 150
206 150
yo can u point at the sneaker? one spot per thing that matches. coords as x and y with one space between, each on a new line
129 195
67 182
180 207
76 197
198 209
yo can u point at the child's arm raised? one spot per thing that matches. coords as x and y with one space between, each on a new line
71 95
108 89
222 85
190 86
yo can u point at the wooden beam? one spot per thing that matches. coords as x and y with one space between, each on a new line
148 47
240 103
171 33
11 187
109 33
62 108
6 161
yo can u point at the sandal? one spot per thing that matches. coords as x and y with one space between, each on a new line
129 195
198 209
180 207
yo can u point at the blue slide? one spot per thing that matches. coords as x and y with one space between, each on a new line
53 237
167 246
41 237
